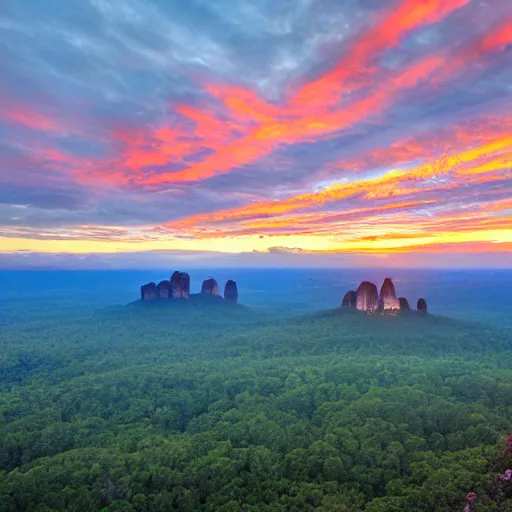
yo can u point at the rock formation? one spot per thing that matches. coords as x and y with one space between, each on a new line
180 285
367 297
404 304
388 300
162 289
231 291
349 299
210 287
422 305
148 291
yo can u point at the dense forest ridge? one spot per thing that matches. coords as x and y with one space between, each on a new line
178 287
368 299
218 408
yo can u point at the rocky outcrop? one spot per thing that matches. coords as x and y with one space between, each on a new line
387 299
349 299
367 297
422 305
231 291
210 287
180 285
404 304
148 291
163 289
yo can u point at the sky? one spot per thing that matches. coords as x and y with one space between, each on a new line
239 133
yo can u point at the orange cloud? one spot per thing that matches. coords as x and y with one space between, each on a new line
208 128
246 106
144 148
306 222
443 248
495 40
14 111
433 143
352 224
267 132
359 61
493 165
263 138
383 186
30 118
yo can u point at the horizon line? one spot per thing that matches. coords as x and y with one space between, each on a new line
141 269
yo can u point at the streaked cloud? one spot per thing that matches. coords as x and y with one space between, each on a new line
282 128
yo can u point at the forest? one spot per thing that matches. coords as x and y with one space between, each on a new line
202 405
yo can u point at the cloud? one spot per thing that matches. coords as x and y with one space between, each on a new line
155 122
385 185
285 250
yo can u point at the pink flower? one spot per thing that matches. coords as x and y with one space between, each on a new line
471 497
507 475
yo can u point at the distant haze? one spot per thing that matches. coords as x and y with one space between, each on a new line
467 294
186 259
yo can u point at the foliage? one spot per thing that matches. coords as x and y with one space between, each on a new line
202 405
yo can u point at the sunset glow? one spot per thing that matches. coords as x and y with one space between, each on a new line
380 130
